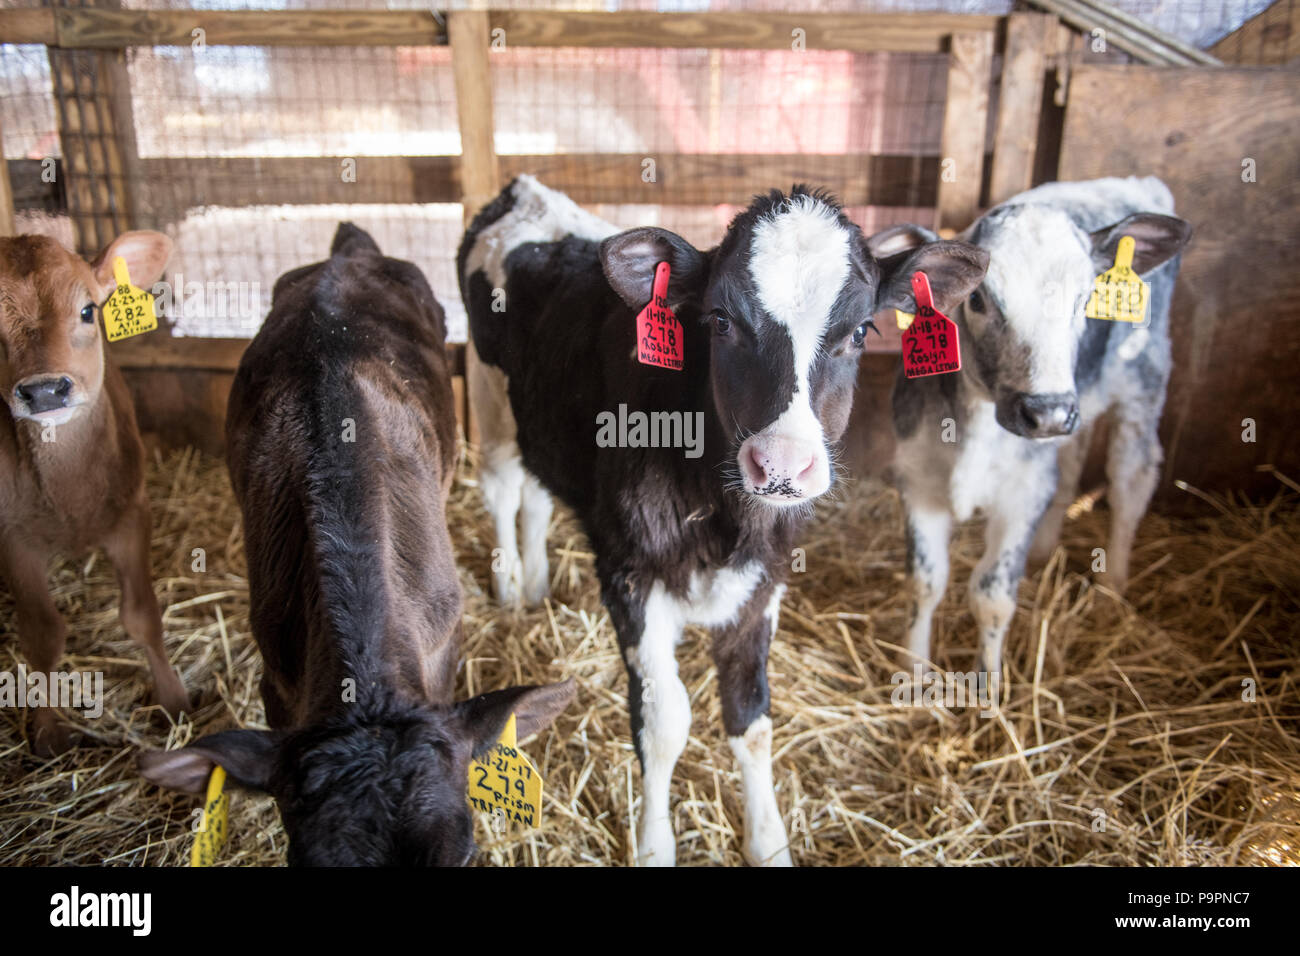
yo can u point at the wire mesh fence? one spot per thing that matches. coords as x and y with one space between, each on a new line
249 155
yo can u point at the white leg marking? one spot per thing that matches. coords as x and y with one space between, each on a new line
501 479
535 519
766 843
716 598
501 471
666 724
930 529
773 612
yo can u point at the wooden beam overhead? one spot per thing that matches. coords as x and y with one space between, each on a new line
859 32
863 33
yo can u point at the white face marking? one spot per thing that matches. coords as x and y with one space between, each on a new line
1040 272
799 262
539 214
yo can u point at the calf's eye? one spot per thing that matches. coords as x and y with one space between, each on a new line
976 301
88 314
721 324
860 333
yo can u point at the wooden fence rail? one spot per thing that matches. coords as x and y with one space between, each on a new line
87 28
101 204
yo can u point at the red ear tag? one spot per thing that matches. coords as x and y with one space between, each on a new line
930 345
659 339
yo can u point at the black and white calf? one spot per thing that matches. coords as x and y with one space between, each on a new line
774 320
1036 376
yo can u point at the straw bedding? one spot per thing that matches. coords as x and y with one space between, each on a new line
1123 737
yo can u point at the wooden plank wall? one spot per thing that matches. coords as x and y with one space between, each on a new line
1271 38
1236 312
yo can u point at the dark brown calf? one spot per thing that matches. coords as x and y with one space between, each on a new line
341 444
71 461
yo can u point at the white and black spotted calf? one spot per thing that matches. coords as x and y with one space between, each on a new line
774 320
1036 376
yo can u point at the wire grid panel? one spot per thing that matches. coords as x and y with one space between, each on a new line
31 141
301 131
572 100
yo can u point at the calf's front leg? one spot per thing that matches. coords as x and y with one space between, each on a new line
127 547
996 577
649 629
1133 470
42 635
1070 460
740 652
501 479
535 519
929 528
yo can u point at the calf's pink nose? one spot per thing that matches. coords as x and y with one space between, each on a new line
778 461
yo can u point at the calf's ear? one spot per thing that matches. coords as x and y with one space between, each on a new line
248 757
534 707
902 238
146 254
954 268
630 258
1156 238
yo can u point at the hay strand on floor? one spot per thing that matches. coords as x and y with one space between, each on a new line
1123 739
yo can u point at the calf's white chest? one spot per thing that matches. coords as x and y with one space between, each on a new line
987 465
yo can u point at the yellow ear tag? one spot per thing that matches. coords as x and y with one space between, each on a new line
129 310
1119 293
211 835
505 783
904 319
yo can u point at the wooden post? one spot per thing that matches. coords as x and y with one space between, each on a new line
97 137
965 120
467 32
7 227
1020 103
480 177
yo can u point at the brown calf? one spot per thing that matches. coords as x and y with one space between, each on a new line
341 440
71 461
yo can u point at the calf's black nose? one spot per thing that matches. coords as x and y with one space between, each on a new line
1044 416
44 394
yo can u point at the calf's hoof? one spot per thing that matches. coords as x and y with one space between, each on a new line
657 847
506 591
171 696
763 856
535 592
50 735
